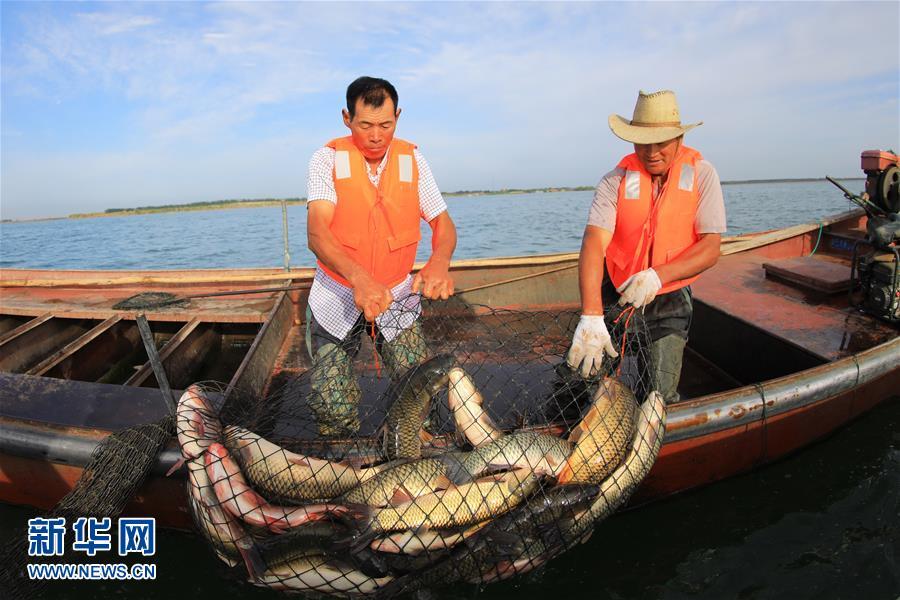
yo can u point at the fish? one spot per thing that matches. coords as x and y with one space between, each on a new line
542 453
603 435
456 506
427 541
291 478
196 424
222 530
297 571
624 479
466 403
400 483
235 496
547 524
413 393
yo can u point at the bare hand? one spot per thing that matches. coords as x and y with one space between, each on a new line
434 281
372 297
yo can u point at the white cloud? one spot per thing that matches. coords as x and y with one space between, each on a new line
497 94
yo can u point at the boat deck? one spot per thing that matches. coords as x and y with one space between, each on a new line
820 323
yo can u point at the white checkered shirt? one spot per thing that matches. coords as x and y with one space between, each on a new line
332 302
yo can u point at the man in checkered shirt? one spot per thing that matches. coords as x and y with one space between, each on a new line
367 194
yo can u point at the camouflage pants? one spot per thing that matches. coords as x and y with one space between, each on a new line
335 394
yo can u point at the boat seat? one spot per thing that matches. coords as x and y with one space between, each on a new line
823 274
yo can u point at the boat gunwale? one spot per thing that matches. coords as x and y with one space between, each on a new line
693 419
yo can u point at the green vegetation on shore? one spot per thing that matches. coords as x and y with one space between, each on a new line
191 206
262 202
504 191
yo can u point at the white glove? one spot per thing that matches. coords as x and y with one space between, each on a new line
640 289
590 341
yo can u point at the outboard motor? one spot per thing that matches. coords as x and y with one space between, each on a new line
875 275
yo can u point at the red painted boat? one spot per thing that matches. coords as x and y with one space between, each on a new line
777 359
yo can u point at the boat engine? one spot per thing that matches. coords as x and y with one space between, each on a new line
875 274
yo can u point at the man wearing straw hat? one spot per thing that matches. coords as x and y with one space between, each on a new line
655 224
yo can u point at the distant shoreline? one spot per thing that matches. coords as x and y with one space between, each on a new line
234 204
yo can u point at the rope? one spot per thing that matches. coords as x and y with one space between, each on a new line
818 239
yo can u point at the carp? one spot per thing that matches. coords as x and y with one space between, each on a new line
603 435
400 483
624 479
413 392
542 453
456 506
466 403
236 497
287 477
548 524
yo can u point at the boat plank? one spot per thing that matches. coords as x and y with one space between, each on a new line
25 327
256 367
67 351
183 363
142 374
23 351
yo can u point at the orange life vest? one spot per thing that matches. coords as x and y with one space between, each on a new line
378 227
649 234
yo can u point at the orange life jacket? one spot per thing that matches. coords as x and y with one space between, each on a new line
378 227
650 234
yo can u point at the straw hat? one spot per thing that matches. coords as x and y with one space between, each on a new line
656 119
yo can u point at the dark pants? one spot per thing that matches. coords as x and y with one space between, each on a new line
335 392
668 320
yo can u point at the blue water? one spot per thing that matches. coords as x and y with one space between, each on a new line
488 226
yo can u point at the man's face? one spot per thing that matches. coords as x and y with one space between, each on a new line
657 158
372 128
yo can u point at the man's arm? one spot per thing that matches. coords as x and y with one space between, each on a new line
370 296
590 268
434 279
693 261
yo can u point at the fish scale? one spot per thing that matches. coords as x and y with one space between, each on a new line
287 477
543 453
602 437
407 413
413 478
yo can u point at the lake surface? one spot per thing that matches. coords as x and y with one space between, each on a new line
824 523
502 225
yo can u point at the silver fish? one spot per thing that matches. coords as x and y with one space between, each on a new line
466 403
318 573
224 533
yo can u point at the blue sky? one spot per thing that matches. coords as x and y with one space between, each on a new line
125 104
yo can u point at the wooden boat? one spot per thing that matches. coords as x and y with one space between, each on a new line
774 362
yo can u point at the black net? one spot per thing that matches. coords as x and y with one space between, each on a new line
118 467
446 443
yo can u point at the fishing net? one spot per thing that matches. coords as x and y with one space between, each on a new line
118 467
463 449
